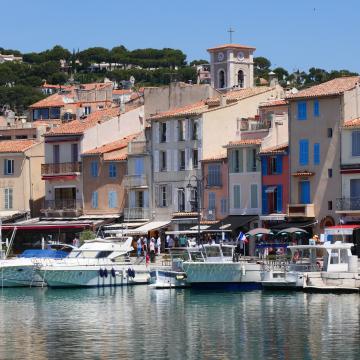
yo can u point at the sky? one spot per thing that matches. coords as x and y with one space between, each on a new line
294 34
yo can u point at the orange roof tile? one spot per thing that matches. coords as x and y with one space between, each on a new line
188 110
55 100
330 88
117 157
303 173
76 127
121 92
354 123
16 146
274 149
245 142
270 103
112 146
230 46
218 157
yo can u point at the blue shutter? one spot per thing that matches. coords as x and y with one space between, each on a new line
279 164
316 154
5 169
264 201
94 168
316 108
94 200
305 192
264 163
355 143
279 199
112 199
301 110
304 152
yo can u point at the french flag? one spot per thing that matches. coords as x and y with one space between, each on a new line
242 237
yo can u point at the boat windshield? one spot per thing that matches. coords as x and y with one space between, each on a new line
227 251
212 251
178 253
196 256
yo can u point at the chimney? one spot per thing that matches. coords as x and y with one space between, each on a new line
273 80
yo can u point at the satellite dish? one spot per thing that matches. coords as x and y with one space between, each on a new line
132 80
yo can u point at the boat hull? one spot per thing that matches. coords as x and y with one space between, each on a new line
21 275
167 279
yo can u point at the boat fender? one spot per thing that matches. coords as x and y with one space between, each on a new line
113 272
243 270
131 273
105 273
101 272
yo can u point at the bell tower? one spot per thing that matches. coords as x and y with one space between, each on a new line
232 66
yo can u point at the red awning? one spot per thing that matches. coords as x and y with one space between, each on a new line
59 177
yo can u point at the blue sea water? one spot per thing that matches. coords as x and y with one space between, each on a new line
142 323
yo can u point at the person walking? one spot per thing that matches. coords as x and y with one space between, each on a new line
152 250
145 248
158 243
139 246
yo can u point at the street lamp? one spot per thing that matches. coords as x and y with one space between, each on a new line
196 201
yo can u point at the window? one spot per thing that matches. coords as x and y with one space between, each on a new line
94 168
163 132
330 205
195 129
241 78
20 137
316 108
94 200
236 196
55 113
163 195
39 114
74 153
162 160
329 132
355 143
236 161
274 165
303 152
56 153
181 199
87 110
8 198
221 79
214 175
304 192
223 203
112 199
301 110
181 130
251 160
112 170
330 173
8 167
212 201
316 154
195 158
139 166
254 196
182 160
194 199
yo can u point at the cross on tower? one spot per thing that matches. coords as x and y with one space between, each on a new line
231 31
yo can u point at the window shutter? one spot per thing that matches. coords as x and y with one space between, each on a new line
168 131
156 132
241 160
188 129
279 199
254 196
6 199
168 160
188 159
249 160
175 163
157 196
264 201
264 165
146 199
199 156
303 152
168 195
156 160
279 164
237 199
199 129
355 143
5 170
316 154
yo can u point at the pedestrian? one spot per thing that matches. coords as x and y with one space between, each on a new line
158 243
167 240
145 248
139 246
152 250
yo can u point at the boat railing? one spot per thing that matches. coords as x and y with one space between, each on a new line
280 264
304 267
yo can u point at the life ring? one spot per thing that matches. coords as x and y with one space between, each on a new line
113 272
101 272
105 273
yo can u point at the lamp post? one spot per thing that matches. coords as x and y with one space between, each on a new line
197 201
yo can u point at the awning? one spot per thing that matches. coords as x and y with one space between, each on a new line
143 230
125 225
270 189
273 217
341 229
233 222
300 224
202 227
46 227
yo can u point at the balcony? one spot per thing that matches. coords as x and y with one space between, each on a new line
53 169
138 213
137 148
62 207
135 181
301 210
210 214
246 125
348 205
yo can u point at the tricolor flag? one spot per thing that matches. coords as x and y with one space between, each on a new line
242 237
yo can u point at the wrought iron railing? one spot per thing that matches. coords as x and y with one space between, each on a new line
62 204
351 203
60 168
135 181
136 213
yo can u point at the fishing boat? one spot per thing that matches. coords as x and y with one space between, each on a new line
97 263
314 267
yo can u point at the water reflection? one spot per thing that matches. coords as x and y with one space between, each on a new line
140 323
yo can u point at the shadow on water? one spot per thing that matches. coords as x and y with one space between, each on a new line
142 323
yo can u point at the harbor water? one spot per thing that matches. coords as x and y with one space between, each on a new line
142 323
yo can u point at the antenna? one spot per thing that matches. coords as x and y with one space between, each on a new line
231 31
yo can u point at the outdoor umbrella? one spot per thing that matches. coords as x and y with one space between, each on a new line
292 230
259 231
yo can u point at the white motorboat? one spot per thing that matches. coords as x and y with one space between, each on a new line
328 266
173 276
99 262
215 265
20 271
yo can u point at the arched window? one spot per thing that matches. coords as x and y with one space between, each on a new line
241 78
221 79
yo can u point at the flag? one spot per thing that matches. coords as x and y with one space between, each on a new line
242 238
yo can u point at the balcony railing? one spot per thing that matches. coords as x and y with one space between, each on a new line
210 214
133 181
137 147
136 213
348 204
60 168
246 126
301 210
62 204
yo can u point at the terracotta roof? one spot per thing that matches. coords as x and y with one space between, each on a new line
303 173
215 158
231 46
278 149
192 109
112 146
117 157
121 92
274 103
76 127
55 100
354 123
16 146
329 88
244 142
